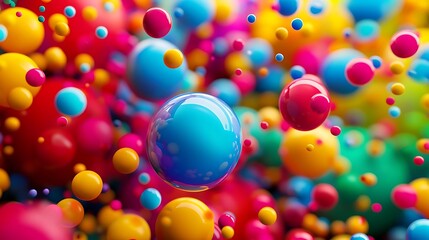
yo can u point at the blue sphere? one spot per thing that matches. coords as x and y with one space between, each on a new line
419 70
300 188
418 230
194 141
317 7
297 24
272 82
367 30
150 198
259 52
226 91
374 10
195 12
288 7
394 111
69 11
251 18
3 33
297 72
333 71
70 101
359 236
376 61
279 57
147 73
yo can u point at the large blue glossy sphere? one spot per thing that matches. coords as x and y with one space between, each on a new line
194 141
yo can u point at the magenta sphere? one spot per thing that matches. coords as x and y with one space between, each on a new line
304 104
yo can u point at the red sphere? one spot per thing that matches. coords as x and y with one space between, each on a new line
325 196
304 104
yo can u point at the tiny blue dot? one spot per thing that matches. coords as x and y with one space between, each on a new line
42 8
297 24
359 236
394 111
108 6
251 18
32 193
317 7
101 32
150 198
347 32
279 57
41 18
178 12
69 11
85 67
297 72
144 178
3 33
376 61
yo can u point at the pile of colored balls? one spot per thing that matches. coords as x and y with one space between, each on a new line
214 119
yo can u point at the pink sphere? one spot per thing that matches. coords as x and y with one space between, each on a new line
298 234
404 196
94 135
325 196
245 82
38 221
157 22
133 141
360 71
226 219
304 104
404 44
35 77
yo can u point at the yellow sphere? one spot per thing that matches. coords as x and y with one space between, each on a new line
397 67
425 101
25 34
20 98
129 226
185 218
55 19
421 143
282 33
126 160
72 210
87 185
369 179
362 203
56 59
79 236
12 123
312 164
62 29
107 216
4 180
40 60
88 224
101 77
357 224
398 88
271 115
13 69
79 167
227 232
421 186
267 216
173 58
89 13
